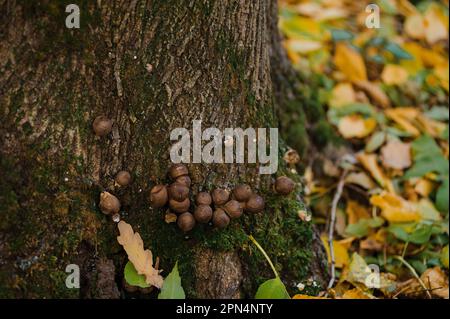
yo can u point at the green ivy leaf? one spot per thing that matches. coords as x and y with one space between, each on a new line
272 289
133 278
172 288
362 227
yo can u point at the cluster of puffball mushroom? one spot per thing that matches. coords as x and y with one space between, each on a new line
219 207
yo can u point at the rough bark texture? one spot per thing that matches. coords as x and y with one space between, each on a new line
211 60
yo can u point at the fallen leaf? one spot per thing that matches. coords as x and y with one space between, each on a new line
341 256
394 74
300 296
170 217
350 62
356 126
375 93
394 208
369 161
361 179
396 155
415 26
342 94
403 117
435 26
356 211
437 281
142 259
302 46
444 256
357 293
427 210
424 187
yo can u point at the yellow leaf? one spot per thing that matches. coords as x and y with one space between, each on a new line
355 211
424 187
396 155
437 281
430 126
403 116
342 94
361 179
350 62
415 26
415 64
300 296
394 74
436 28
369 161
142 259
394 208
302 46
357 293
356 126
341 256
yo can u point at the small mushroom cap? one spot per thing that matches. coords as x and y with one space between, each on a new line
203 213
123 178
186 221
220 196
184 180
233 209
284 185
203 198
220 218
178 192
109 204
177 170
242 192
102 125
255 204
158 196
179 207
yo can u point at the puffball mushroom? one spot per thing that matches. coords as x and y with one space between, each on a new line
186 221
284 185
123 178
220 196
158 196
102 125
255 204
109 204
220 218
203 213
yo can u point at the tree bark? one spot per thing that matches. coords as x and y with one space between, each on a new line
150 66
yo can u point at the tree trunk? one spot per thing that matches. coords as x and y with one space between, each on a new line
150 66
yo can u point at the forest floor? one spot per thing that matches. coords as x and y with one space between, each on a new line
384 203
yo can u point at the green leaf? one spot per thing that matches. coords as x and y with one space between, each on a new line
420 235
398 51
341 35
362 227
439 113
375 141
172 288
133 278
272 289
442 196
444 256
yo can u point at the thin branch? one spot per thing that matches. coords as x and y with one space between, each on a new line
334 204
413 271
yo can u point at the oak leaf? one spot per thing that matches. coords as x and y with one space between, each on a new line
141 259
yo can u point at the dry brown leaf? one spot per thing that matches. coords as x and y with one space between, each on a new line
361 179
415 26
141 259
350 62
356 126
369 161
375 93
356 293
436 28
396 155
437 281
170 217
394 208
394 74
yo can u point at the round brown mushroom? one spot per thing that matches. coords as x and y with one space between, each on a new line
102 125
233 209
186 221
123 178
255 204
179 207
178 192
220 219
220 196
158 196
203 198
203 213
242 192
109 204
184 180
177 170
284 185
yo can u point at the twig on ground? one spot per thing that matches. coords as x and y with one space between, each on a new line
413 271
334 204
